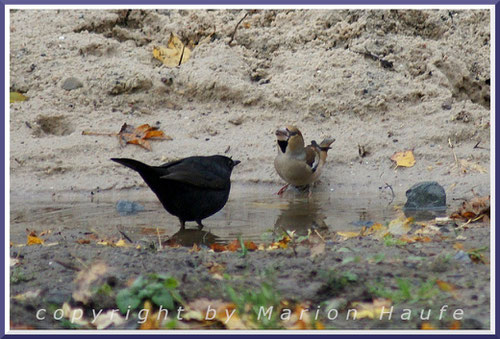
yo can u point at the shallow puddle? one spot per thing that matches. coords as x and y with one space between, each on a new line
254 214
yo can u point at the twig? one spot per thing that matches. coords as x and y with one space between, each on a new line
125 235
392 193
159 238
477 146
236 28
453 150
66 265
182 54
99 133
319 235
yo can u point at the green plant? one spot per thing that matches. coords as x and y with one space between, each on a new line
18 276
389 240
335 283
159 288
405 291
254 303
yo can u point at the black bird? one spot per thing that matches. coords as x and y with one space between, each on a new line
192 188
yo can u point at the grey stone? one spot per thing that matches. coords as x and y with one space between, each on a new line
425 200
71 84
125 207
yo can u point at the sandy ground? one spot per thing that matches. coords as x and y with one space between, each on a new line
385 81
301 67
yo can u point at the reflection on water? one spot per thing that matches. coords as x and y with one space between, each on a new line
301 215
248 213
188 237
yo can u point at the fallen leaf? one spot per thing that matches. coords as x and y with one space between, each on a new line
86 279
83 241
74 315
317 249
427 326
372 310
138 136
348 234
377 230
215 268
33 239
445 286
404 158
473 209
107 319
152 321
28 295
17 97
121 243
194 249
175 54
218 247
15 262
400 226
282 243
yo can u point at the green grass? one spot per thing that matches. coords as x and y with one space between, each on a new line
406 291
255 302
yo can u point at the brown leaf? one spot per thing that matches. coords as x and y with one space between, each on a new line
317 249
474 208
87 279
195 248
137 136
218 247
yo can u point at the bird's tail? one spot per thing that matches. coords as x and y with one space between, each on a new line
323 147
133 164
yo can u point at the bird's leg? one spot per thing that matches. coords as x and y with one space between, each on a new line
309 195
200 225
283 189
183 224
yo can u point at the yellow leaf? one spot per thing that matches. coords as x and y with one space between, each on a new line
152 321
400 226
372 310
348 235
377 230
121 243
444 286
427 326
404 158
171 56
34 240
17 97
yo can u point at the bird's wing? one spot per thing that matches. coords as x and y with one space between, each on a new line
312 157
192 173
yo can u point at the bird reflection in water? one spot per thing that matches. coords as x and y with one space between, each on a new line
301 215
188 237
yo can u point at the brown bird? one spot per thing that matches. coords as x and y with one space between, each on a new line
298 165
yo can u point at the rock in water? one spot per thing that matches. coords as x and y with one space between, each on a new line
125 207
425 200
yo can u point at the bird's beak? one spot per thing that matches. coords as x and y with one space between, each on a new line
282 134
236 162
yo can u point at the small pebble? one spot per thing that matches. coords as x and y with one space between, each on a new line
71 84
